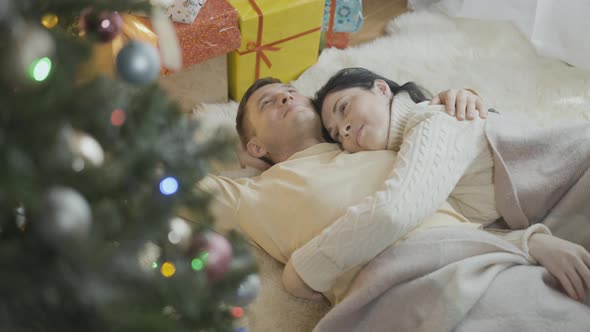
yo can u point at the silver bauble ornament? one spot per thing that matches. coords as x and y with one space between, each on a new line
84 149
64 215
21 218
180 232
148 256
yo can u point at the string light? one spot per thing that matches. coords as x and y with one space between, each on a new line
237 312
105 24
49 20
154 265
118 117
168 269
198 263
40 69
168 186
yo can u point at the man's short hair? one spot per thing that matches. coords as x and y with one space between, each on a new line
243 125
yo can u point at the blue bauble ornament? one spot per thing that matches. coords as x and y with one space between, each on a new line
138 63
246 292
249 289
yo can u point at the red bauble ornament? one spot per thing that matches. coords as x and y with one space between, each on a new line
218 253
102 26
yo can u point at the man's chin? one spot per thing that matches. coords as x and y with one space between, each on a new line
301 109
301 114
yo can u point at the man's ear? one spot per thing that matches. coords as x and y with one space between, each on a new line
383 87
255 149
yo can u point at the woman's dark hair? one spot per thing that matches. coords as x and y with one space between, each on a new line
365 79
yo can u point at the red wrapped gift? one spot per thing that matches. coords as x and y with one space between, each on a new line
336 39
214 32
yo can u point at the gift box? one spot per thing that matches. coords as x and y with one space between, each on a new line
204 45
342 15
279 39
184 11
339 40
214 32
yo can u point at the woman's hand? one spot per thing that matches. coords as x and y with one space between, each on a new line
247 160
565 260
296 286
461 103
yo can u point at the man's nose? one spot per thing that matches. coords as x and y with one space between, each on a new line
286 97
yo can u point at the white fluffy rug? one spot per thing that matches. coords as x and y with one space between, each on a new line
438 53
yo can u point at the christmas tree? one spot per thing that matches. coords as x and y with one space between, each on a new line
93 174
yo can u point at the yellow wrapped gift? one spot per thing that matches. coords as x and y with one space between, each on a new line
279 39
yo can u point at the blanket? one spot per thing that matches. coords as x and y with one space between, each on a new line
454 278
540 174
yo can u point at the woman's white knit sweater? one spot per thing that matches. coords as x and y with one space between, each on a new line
439 158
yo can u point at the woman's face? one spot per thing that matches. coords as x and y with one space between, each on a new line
359 118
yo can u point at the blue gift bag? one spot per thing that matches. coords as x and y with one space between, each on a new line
348 15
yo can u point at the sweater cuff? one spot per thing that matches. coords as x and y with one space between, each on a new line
534 229
520 238
317 270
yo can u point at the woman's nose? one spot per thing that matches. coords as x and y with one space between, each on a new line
345 130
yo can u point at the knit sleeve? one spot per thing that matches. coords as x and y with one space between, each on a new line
436 151
226 198
520 238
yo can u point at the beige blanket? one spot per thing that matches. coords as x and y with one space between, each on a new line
541 174
454 278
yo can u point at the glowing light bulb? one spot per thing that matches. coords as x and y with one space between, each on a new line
197 264
118 117
168 269
237 312
168 186
49 20
105 24
40 69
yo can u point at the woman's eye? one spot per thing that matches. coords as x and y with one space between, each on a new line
343 107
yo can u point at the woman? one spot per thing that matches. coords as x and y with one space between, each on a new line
481 168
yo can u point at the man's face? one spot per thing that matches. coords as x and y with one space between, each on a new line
281 117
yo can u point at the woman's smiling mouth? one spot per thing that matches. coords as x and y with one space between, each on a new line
358 134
